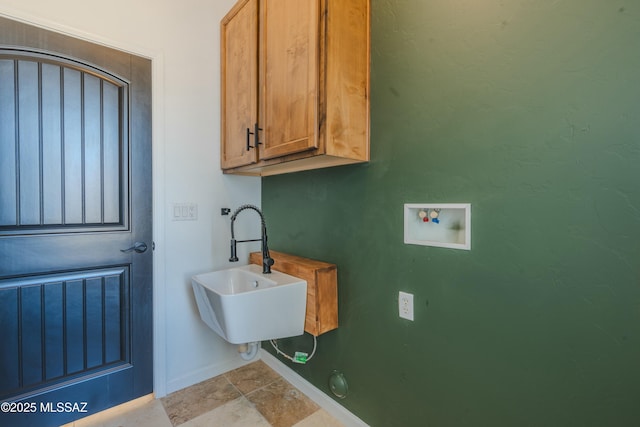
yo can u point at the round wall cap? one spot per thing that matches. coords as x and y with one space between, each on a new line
338 384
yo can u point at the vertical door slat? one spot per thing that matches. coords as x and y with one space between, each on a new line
29 143
92 107
72 146
40 152
8 161
111 153
52 161
31 336
53 330
10 348
74 326
94 322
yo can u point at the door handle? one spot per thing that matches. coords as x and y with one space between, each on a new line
139 247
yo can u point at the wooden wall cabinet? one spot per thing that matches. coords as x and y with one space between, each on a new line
295 85
322 288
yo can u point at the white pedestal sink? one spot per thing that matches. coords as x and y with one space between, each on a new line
243 305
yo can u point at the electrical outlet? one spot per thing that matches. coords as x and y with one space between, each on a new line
405 305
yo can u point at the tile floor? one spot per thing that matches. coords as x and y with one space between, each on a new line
253 395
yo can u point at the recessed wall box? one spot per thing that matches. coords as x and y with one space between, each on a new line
445 225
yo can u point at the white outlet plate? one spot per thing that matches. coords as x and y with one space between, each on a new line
405 305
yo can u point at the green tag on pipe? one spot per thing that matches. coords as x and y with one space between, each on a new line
300 357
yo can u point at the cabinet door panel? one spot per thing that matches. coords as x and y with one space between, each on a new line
239 37
289 76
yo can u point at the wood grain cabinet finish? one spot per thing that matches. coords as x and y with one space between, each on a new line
322 288
295 85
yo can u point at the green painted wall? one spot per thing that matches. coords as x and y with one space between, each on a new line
529 110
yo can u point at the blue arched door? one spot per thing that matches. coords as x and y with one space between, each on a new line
75 227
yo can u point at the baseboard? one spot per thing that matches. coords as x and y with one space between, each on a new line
205 373
336 410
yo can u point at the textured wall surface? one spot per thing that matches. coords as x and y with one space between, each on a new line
529 110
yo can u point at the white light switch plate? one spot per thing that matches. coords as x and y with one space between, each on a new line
185 212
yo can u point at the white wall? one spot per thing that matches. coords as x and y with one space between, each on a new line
182 39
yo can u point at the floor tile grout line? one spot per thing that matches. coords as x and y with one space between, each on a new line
256 409
185 390
280 377
265 386
234 386
244 396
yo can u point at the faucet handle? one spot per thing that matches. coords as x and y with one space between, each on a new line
267 262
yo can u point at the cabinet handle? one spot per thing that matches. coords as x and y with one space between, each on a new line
256 129
255 137
249 133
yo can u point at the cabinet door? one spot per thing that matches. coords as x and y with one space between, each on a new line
239 63
289 75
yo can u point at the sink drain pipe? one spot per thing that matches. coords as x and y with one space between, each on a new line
249 350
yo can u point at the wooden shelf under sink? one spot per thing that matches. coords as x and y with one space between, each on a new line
322 288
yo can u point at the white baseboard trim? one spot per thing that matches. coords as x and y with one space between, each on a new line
336 410
205 373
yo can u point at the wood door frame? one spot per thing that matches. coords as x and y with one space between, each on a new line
158 164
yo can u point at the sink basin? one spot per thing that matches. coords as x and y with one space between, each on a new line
243 305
